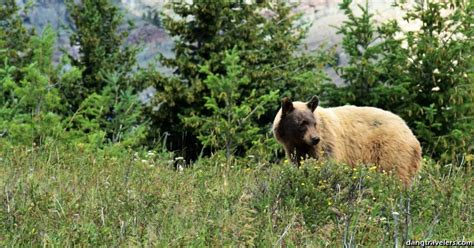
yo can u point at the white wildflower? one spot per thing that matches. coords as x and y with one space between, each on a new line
404 44
399 36
444 36
458 36
436 71
435 88
411 26
444 13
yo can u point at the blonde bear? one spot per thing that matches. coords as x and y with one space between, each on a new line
349 134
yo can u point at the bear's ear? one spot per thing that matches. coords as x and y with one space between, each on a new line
313 103
286 106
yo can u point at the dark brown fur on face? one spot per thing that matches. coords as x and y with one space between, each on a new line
298 127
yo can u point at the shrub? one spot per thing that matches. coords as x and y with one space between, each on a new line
31 103
113 115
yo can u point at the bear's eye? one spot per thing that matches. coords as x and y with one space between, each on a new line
303 123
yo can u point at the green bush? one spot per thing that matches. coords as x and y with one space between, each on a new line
31 103
113 115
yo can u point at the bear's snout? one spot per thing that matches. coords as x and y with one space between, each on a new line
315 140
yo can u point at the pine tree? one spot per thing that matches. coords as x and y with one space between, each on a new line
103 102
14 36
97 26
267 36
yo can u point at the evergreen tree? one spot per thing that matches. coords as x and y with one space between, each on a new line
14 36
267 36
103 102
101 39
230 122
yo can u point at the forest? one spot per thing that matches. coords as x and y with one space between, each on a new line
84 161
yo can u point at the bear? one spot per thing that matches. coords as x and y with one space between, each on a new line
349 134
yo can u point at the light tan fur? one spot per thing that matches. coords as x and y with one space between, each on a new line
364 135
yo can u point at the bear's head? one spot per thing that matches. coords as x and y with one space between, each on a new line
296 125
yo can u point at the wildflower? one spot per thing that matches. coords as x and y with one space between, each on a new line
399 36
444 13
436 71
404 44
458 36
435 89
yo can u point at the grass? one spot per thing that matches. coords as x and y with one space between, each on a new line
59 195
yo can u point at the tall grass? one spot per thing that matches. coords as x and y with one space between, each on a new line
61 195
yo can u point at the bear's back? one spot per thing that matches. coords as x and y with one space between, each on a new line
369 117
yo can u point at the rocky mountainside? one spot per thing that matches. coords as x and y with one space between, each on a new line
323 14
